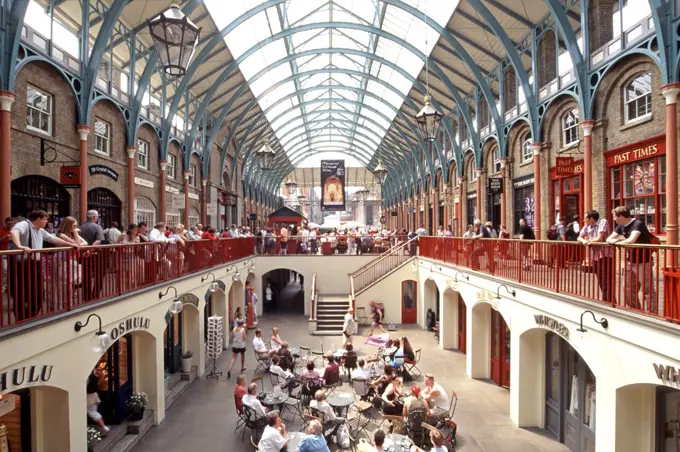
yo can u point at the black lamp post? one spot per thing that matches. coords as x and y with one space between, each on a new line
428 120
176 38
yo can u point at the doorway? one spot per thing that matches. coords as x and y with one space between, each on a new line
283 292
462 325
107 204
494 210
500 350
172 344
18 420
566 196
115 381
409 302
30 193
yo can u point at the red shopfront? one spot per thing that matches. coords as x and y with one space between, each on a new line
636 178
566 190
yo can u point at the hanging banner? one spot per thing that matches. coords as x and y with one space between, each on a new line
333 185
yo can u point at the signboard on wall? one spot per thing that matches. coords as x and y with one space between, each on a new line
178 201
104 170
333 185
69 176
495 185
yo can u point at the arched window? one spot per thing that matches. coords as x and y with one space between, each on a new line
495 160
194 217
637 97
570 127
527 151
145 210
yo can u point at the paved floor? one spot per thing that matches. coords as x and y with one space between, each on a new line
203 419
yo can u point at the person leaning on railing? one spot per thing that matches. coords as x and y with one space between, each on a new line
596 230
24 273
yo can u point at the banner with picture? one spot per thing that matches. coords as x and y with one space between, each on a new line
333 185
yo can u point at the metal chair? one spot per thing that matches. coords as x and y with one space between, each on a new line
412 366
262 360
252 441
253 422
414 426
360 387
318 359
294 402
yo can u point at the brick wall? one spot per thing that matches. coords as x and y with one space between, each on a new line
547 59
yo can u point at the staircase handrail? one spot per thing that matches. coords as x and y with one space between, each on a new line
382 257
314 300
366 278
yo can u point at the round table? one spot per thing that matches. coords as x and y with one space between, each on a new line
397 443
294 351
294 440
274 400
340 401
339 353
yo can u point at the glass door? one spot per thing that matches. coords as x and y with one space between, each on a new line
495 347
115 383
172 341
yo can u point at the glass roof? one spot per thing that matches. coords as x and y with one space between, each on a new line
324 107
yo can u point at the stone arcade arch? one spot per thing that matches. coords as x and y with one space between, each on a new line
430 300
453 321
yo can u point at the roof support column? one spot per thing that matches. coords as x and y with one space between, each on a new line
670 92
587 127
537 189
6 101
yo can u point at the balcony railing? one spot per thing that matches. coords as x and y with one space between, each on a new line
49 281
640 278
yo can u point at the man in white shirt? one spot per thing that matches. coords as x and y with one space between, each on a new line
252 401
157 234
269 294
259 346
329 418
348 326
274 437
113 233
421 231
233 233
283 232
436 397
361 372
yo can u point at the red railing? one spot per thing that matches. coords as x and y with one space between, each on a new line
42 283
381 266
337 245
642 278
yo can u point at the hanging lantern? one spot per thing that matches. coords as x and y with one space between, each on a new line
362 192
176 38
291 185
265 156
429 119
380 172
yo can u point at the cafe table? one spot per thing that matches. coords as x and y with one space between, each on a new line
274 400
340 401
397 443
294 440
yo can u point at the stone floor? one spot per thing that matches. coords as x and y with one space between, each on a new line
203 419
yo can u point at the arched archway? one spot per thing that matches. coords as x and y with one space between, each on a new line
237 301
38 192
430 301
286 291
453 321
44 406
107 204
489 345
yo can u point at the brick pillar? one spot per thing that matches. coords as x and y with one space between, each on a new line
504 207
426 210
435 211
246 210
6 101
445 220
462 198
204 202
587 127
537 189
131 150
163 199
83 132
185 220
670 92
479 172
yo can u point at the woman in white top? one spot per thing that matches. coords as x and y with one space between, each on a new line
238 346
69 272
276 340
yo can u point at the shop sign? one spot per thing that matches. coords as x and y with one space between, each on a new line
525 182
105 170
552 324
7 404
69 176
565 166
143 182
193 196
639 151
17 378
172 190
667 374
128 325
495 185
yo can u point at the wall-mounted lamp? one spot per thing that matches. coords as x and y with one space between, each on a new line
176 305
102 339
604 322
510 291
455 277
251 269
214 287
236 276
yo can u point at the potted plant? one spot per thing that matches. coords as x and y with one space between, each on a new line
186 361
93 437
136 405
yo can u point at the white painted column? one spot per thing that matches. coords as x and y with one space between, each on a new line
527 378
149 372
77 421
478 364
605 417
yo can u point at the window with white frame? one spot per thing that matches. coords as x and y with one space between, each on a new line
145 211
102 137
527 151
172 166
194 217
496 160
192 175
570 127
39 111
172 219
637 97
143 154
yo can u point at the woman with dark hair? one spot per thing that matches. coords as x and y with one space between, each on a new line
238 346
409 354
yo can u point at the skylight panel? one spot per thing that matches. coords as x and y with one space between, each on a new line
375 117
314 80
366 10
296 10
278 108
247 34
280 120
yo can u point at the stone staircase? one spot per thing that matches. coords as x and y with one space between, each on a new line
330 313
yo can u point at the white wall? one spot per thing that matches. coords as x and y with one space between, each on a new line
388 292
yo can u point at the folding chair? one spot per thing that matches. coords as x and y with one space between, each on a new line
318 359
254 444
412 366
253 422
360 387
262 360
294 403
